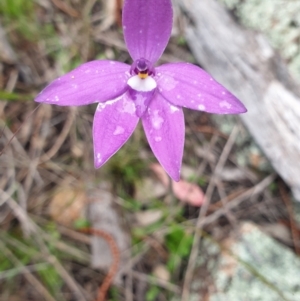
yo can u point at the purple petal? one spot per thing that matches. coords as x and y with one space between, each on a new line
91 82
164 127
114 122
189 86
141 100
147 27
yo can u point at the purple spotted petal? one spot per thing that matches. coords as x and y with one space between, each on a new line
114 122
164 127
91 82
189 86
141 100
147 27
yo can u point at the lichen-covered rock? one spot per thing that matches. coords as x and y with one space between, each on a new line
247 266
251 266
279 20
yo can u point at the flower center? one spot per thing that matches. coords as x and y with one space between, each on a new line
142 79
143 68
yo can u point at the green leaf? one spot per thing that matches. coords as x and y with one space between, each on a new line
152 293
173 238
51 278
10 96
178 241
82 223
173 262
185 246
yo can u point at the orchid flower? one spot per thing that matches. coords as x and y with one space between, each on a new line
143 91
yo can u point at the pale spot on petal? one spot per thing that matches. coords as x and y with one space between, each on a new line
225 104
156 120
118 131
56 98
157 139
140 100
173 109
201 107
142 85
99 159
167 82
128 107
102 105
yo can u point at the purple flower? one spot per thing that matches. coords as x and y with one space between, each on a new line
155 94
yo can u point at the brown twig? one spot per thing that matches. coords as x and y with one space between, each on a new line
102 291
209 130
36 284
253 191
2 132
17 131
118 13
197 236
157 281
59 141
293 224
232 196
66 8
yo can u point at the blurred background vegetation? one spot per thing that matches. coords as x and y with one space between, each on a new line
49 189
